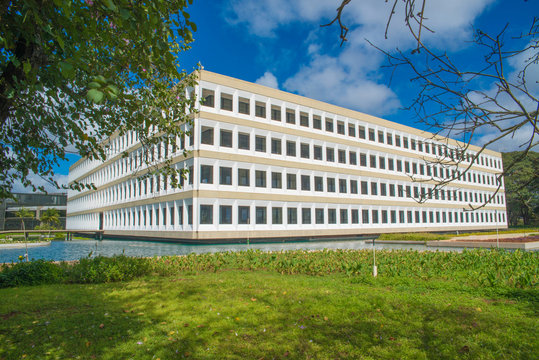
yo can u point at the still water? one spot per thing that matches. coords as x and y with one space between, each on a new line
74 250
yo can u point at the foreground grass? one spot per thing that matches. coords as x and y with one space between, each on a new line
257 314
434 236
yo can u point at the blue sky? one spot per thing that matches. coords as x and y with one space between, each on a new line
280 43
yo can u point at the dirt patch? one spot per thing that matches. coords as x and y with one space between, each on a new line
524 239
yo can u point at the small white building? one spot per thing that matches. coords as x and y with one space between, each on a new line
268 164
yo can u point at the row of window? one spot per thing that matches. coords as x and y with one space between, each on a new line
316 152
330 184
342 128
291 215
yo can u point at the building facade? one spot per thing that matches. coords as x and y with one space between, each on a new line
264 164
36 203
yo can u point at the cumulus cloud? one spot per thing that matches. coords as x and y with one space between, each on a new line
268 79
351 76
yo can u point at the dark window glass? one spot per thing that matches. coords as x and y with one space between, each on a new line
275 146
351 130
318 183
243 177
206 174
260 215
329 124
207 135
383 189
363 159
276 215
317 122
275 113
260 110
330 154
361 132
244 215
226 138
374 216
342 156
397 140
305 216
291 181
276 180
331 185
364 188
225 214
260 143
243 141
206 214
208 98
365 216
355 216
290 116
373 161
226 102
384 216
372 135
225 176
332 216
291 148
389 139
382 162
342 186
317 152
353 186
353 157
319 216
304 119
243 106
380 136
260 178
374 188
340 127
304 150
305 182
292 216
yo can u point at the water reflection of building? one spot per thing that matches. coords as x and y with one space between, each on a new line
36 204
269 164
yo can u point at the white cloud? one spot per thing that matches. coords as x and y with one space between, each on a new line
351 78
268 79
517 141
39 181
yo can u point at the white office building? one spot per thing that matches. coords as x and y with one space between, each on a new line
267 164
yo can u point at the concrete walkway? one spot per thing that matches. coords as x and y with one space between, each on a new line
481 241
23 245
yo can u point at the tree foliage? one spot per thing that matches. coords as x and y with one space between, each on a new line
522 188
74 73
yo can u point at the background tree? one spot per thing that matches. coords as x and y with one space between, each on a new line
74 73
51 219
522 187
23 214
461 99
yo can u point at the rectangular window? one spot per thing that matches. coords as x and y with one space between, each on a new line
225 214
180 215
305 182
276 215
340 127
353 186
383 189
399 165
226 138
361 132
317 152
206 214
384 216
329 124
292 216
400 190
380 136
405 142
206 135
330 154
225 175
290 148
243 177
275 113
275 146
208 98
318 183
243 106
317 122
382 162
276 180
389 139
304 119
244 215
243 141
352 157
407 167
374 188
372 135
342 186
355 216
319 216
363 159
226 102
206 174
290 116
374 216
397 140
190 214
291 181
260 215
305 216
390 164
304 151
365 216
413 144
260 109
351 130
393 216
260 178
191 174
330 185
332 216
364 188
341 156
260 143
373 161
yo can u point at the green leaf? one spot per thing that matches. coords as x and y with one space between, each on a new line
27 67
67 70
110 5
94 85
95 96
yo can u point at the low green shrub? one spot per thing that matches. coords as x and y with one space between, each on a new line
108 269
34 272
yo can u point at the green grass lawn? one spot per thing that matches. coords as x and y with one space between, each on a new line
237 314
433 236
